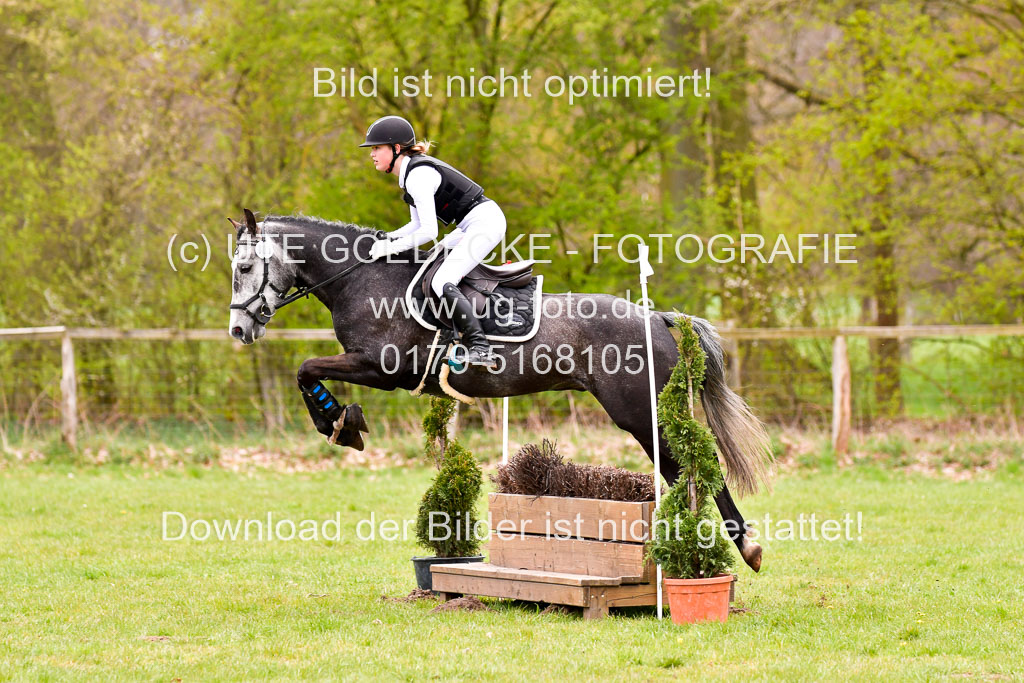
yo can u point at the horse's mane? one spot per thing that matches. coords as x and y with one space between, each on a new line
301 221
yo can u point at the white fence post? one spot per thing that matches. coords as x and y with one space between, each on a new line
68 391
735 365
841 413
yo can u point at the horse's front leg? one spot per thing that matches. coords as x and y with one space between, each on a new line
331 418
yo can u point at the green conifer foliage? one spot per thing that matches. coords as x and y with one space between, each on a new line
447 512
435 427
686 541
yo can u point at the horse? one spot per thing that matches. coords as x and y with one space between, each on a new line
330 260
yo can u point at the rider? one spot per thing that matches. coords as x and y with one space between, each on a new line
436 191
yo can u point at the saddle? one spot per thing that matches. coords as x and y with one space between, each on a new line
480 283
506 299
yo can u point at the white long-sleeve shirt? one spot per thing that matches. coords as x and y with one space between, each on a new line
421 184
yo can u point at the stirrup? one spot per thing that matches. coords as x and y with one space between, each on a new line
480 355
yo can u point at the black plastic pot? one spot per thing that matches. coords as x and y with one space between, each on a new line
422 566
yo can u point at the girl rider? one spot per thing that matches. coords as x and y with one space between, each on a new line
436 191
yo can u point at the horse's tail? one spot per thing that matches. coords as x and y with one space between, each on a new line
742 438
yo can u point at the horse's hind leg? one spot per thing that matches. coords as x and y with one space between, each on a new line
750 550
628 403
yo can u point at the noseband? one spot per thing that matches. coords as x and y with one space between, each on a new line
264 312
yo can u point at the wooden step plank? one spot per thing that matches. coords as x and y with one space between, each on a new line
608 520
534 591
491 570
572 556
595 600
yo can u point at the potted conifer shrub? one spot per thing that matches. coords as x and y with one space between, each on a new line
687 542
446 518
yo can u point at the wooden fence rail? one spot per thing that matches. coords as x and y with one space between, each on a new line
841 379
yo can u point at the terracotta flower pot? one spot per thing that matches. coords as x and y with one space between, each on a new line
694 600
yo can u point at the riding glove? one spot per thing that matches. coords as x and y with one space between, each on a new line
385 247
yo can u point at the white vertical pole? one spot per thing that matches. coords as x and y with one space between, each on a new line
841 415
504 431
68 391
645 272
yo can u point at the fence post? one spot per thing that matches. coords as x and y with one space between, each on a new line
735 364
68 391
841 416
453 422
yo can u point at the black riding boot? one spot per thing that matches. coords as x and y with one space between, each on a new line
478 352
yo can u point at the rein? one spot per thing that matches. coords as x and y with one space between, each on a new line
306 291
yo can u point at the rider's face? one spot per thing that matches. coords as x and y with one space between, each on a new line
381 156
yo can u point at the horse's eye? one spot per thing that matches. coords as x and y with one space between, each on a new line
245 268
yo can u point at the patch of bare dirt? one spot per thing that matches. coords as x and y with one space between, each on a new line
466 603
415 595
244 459
957 449
557 609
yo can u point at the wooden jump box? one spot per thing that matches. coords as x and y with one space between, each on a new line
581 552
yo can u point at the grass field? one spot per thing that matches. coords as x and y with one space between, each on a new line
90 590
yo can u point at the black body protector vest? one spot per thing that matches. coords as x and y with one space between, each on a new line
456 194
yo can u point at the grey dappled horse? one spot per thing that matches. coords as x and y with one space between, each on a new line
338 253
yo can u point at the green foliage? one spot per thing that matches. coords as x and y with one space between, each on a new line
686 541
688 546
447 514
435 427
691 444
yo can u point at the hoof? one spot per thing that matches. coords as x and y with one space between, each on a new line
347 427
360 420
751 553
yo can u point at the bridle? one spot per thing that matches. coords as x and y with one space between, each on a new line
265 312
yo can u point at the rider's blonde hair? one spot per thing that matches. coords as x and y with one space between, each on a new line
418 147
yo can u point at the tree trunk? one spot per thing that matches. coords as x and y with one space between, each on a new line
683 165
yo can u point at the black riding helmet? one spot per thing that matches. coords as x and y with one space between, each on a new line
390 130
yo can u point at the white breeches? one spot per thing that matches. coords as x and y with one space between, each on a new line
476 236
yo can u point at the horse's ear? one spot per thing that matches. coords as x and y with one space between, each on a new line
238 226
250 222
